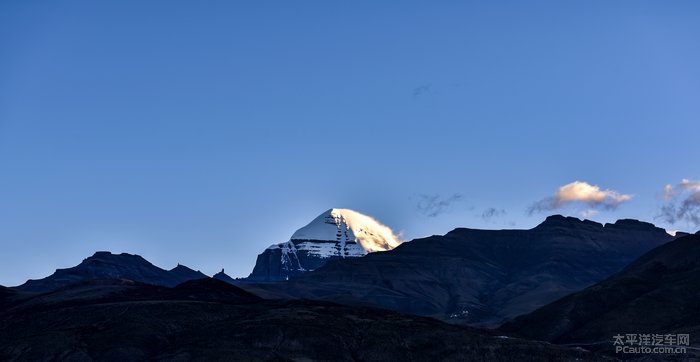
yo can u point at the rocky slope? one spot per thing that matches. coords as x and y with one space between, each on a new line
659 293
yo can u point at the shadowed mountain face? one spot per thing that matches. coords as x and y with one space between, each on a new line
658 293
481 277
8 296
105 265
210 320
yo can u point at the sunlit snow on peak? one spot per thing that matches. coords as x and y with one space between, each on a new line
345 225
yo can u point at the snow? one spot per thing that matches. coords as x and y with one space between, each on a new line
286 260
326 250
335 233
347 228
340 233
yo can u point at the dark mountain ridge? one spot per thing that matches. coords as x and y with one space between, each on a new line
657 293
181 272
224 277
480 277
105 265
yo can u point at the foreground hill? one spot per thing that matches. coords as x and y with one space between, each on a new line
658 293
210 320
480 277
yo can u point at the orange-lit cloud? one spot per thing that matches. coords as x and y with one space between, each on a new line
581 192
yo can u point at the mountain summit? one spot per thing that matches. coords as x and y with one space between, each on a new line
336 233
105 265
350 230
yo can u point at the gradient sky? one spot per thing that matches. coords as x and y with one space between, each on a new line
201 134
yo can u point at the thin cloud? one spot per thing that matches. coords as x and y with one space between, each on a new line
589 213
583 193
492 212
682 203
434 205
419 91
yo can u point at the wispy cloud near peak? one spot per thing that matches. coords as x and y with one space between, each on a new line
434 205
682 202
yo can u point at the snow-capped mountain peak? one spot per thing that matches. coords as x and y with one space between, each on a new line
349 226
336 233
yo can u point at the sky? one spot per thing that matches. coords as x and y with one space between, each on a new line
202 132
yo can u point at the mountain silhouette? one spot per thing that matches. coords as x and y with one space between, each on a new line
105 265
479 277
657 293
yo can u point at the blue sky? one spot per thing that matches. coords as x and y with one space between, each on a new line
202 133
